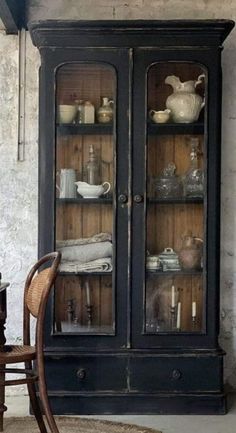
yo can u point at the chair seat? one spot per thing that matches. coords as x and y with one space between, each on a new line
18 353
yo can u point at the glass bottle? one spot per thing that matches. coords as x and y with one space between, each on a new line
80 110
92 168
194 178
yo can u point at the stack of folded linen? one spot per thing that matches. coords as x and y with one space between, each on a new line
92 254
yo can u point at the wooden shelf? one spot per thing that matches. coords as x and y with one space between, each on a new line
81 200
181 200
84 274
173 273
74 328
175 128
85 129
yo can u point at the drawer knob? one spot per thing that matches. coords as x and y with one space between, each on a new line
81 374
138 198
176 374
123 198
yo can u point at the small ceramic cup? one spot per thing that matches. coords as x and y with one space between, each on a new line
161 116
152 263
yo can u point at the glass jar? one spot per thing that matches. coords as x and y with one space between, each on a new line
168 184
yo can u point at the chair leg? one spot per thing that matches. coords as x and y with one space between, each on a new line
36 407
44 397
46 406
2 396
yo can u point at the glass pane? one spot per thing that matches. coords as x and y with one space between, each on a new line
85 176
176 194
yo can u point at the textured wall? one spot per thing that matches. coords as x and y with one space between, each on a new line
18 187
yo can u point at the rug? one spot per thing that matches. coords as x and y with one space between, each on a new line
73 425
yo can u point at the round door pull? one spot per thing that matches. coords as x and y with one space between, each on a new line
138 198
123 198
176 374
81 374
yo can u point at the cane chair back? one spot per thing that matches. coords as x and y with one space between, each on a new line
37 289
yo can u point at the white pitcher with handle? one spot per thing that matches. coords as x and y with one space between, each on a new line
67 188
185 104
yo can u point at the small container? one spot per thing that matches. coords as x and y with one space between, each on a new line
153 263
168 184
89 113
161 116
169 260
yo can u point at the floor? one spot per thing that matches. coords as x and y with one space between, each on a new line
18 406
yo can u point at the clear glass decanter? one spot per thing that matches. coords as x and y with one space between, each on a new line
92 168
194 178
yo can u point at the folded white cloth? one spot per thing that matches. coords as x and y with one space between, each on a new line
99 265
86 253
99 237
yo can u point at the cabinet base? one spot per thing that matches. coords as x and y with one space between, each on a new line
123 404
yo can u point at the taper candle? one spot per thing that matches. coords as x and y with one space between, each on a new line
178 315
173 296
88 293
194 309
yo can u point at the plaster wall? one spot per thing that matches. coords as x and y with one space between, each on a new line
18 186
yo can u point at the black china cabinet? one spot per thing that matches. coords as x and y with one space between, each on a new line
129 191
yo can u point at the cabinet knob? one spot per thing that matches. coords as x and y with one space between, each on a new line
138 198
176 374
81 374
123 198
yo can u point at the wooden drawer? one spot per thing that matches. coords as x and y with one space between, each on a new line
86 373
176 374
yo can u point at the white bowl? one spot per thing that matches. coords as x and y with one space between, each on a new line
66 113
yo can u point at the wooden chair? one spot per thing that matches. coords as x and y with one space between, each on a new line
36 292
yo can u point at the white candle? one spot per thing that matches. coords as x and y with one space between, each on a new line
173 296
87 293
178 315
194 309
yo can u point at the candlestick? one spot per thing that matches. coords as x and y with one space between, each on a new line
89 314
194 309
178 315
172 318
70 310
173 296
87 293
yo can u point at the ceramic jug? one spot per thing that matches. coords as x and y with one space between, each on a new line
67 188
105 112
190 255
185 104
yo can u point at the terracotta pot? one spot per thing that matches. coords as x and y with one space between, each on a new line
190 255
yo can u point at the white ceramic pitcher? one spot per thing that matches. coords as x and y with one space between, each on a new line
67 188
185 104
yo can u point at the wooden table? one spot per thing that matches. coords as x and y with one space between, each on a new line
3 316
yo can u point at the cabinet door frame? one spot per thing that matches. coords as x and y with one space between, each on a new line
210 59
119 59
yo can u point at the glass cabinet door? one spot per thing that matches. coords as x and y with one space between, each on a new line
176 190
170 200
85 183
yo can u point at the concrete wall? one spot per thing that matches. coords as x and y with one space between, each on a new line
18 186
